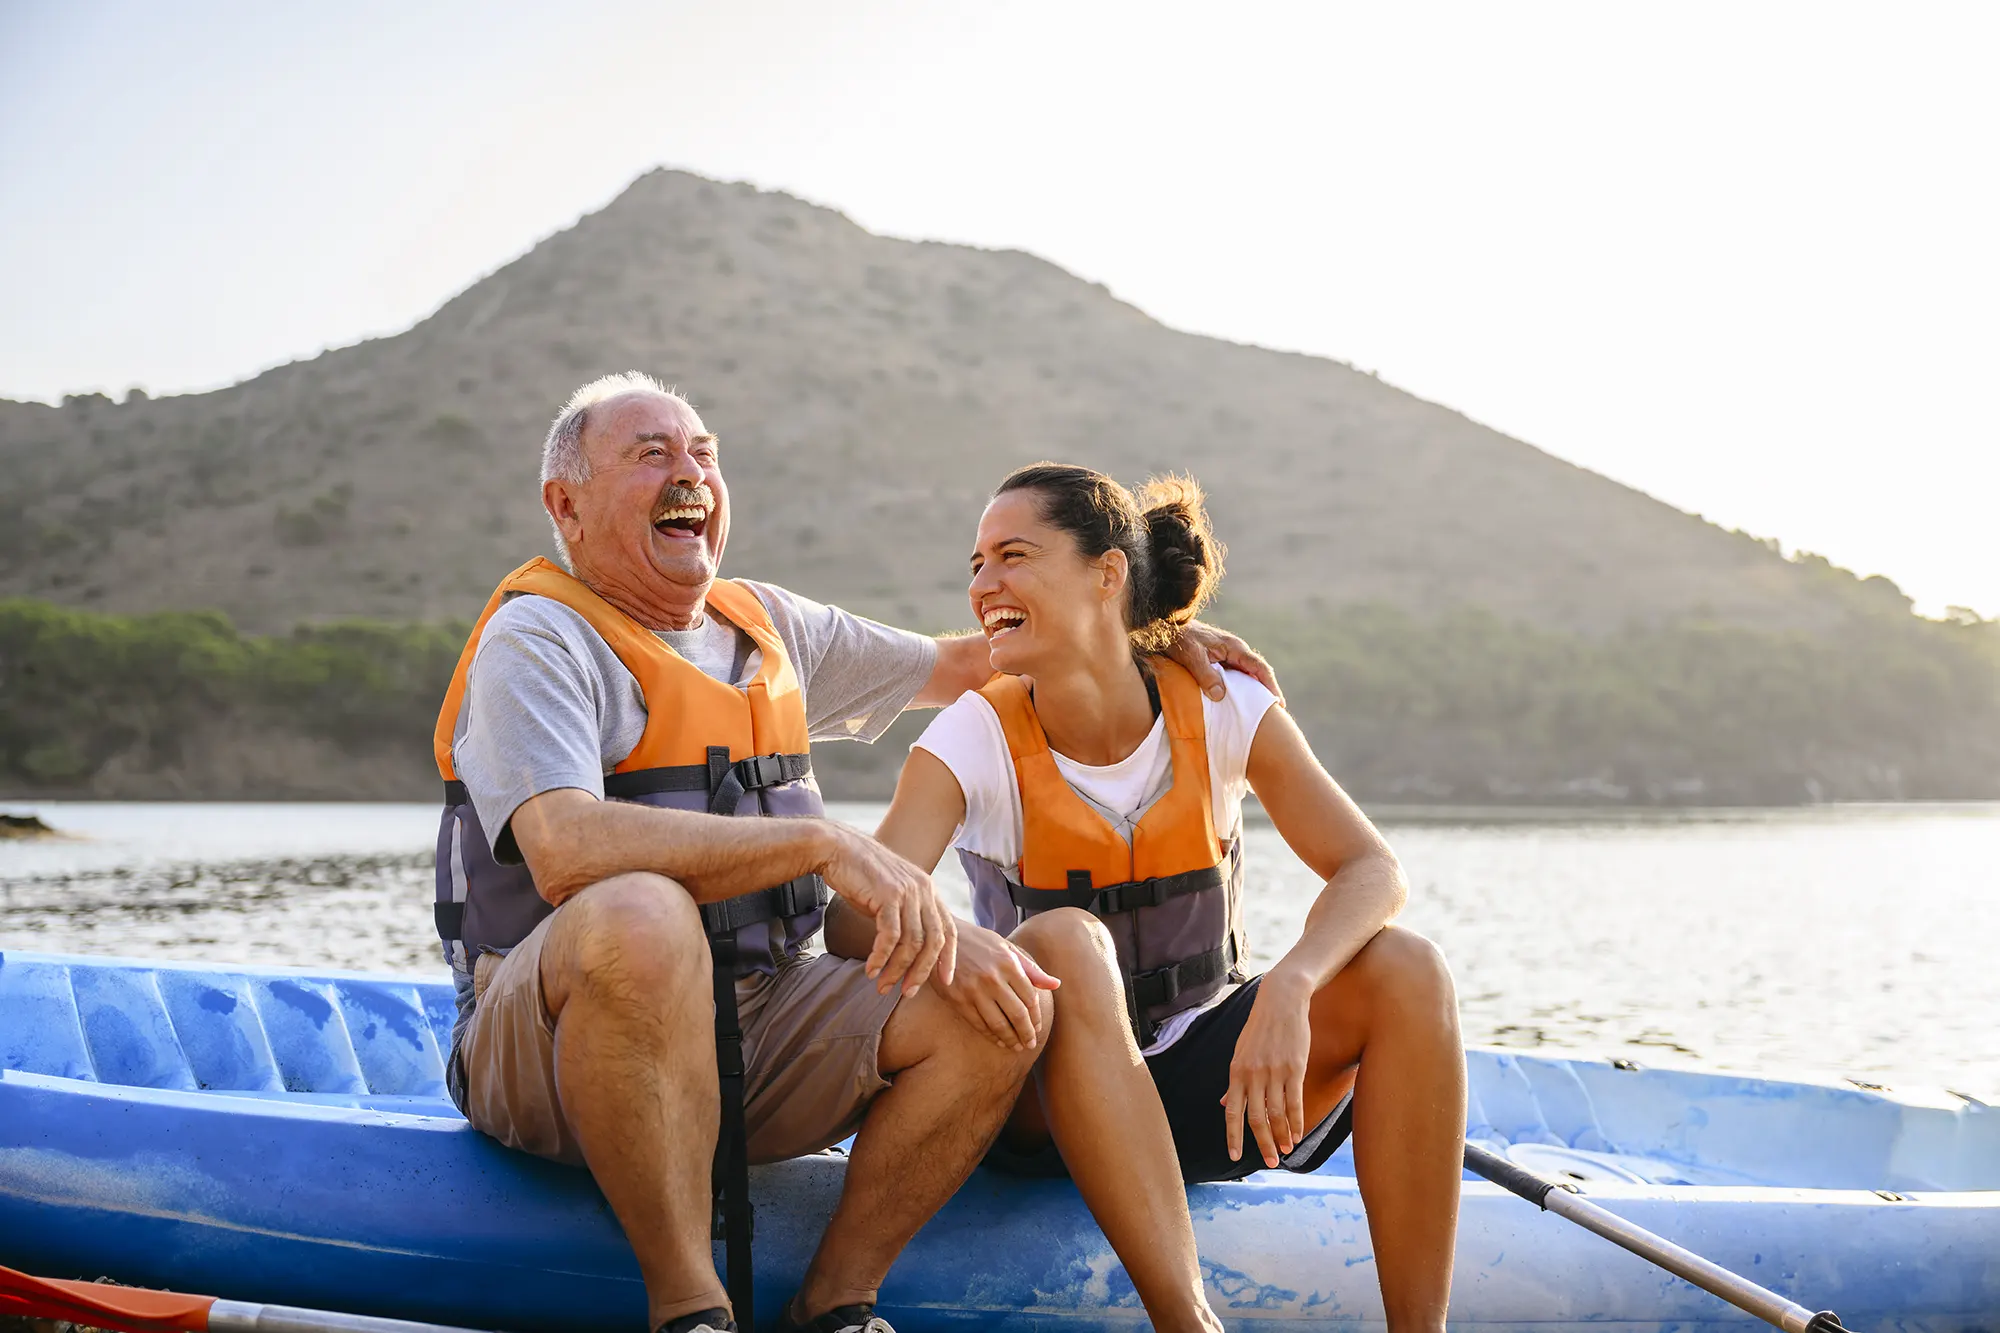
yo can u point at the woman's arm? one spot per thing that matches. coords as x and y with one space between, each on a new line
994 981
1364 891
928 808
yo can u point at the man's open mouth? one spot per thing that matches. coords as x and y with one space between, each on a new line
686 521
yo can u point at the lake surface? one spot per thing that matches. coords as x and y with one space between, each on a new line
1860 941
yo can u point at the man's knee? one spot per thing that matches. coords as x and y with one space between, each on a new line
1407 971
635 931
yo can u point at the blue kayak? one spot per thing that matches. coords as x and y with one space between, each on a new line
265 1134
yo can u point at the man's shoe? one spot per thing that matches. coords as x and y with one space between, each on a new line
840 1319
713 1320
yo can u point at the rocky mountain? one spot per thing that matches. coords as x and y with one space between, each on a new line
869 392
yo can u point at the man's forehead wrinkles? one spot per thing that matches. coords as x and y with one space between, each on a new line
669 436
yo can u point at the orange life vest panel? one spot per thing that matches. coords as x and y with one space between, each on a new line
766 716
1170 896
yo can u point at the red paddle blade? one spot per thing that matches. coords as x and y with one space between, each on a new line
131 1309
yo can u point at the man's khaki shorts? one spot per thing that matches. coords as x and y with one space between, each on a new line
810 1040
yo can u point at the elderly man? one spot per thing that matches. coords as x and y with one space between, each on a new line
629 951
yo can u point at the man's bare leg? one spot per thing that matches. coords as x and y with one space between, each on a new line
919 1141
1394 1011
626 976
1105 1115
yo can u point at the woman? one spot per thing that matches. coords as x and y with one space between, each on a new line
1095 796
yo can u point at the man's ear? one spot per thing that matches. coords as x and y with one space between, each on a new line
561 504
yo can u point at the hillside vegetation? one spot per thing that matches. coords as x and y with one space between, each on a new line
253 592
1464 708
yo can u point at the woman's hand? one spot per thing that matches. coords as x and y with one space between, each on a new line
1204 650
1267 1076
994 987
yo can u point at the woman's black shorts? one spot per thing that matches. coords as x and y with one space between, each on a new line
1192 1075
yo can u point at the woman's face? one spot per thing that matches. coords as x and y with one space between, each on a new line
1036 596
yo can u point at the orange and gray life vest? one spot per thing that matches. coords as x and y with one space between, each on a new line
1171 896
707 746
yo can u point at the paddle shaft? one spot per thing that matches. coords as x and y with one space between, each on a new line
243 1317
1740 1292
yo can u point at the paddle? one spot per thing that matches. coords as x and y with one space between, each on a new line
137 1310
1563 1200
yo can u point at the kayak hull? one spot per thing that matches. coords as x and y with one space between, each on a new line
388 1203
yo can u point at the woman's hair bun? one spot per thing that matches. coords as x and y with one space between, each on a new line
1185 563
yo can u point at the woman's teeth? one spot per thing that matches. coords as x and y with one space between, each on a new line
1003 618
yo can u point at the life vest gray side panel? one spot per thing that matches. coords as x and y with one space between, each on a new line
1147 939
500 905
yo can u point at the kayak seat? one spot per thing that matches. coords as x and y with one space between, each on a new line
222 1030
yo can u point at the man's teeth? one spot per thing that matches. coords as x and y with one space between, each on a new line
1004 618
692 513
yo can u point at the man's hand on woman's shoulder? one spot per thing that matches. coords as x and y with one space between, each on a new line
1204 650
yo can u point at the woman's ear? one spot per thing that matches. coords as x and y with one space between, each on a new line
1113 570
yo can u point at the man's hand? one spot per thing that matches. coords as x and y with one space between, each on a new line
1200 648
994 987
914 936
1267 1075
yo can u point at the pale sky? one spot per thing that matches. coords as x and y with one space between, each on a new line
1741 255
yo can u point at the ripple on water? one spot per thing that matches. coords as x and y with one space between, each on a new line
1856 941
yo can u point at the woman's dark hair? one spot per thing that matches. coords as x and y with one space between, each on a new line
1174 557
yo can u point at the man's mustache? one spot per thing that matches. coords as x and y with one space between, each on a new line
682 497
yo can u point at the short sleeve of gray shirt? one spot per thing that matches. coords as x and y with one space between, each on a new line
549 705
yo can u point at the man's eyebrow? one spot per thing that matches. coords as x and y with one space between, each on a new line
667 437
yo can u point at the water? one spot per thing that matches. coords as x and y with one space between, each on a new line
1857 941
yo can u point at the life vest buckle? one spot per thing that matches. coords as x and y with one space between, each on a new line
1128 897
760 771
1160 986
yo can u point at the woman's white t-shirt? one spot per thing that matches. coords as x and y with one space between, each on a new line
967 737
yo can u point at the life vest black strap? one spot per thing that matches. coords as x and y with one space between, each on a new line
1164 984
734 1221
1114 899
795 897
728 782
745 775
450 918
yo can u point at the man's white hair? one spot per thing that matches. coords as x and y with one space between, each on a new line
563 458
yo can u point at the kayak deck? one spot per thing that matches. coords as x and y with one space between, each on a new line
285 1136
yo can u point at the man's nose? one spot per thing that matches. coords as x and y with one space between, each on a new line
684 470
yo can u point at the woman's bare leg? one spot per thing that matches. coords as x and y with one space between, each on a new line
1393 1012
1099 1103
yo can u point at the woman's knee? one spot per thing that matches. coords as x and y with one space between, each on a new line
1407 969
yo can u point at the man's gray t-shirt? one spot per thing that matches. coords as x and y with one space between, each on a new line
549 705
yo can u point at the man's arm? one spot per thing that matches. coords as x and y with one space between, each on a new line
964 663
570 840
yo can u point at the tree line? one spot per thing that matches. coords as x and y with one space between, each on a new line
1464 707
